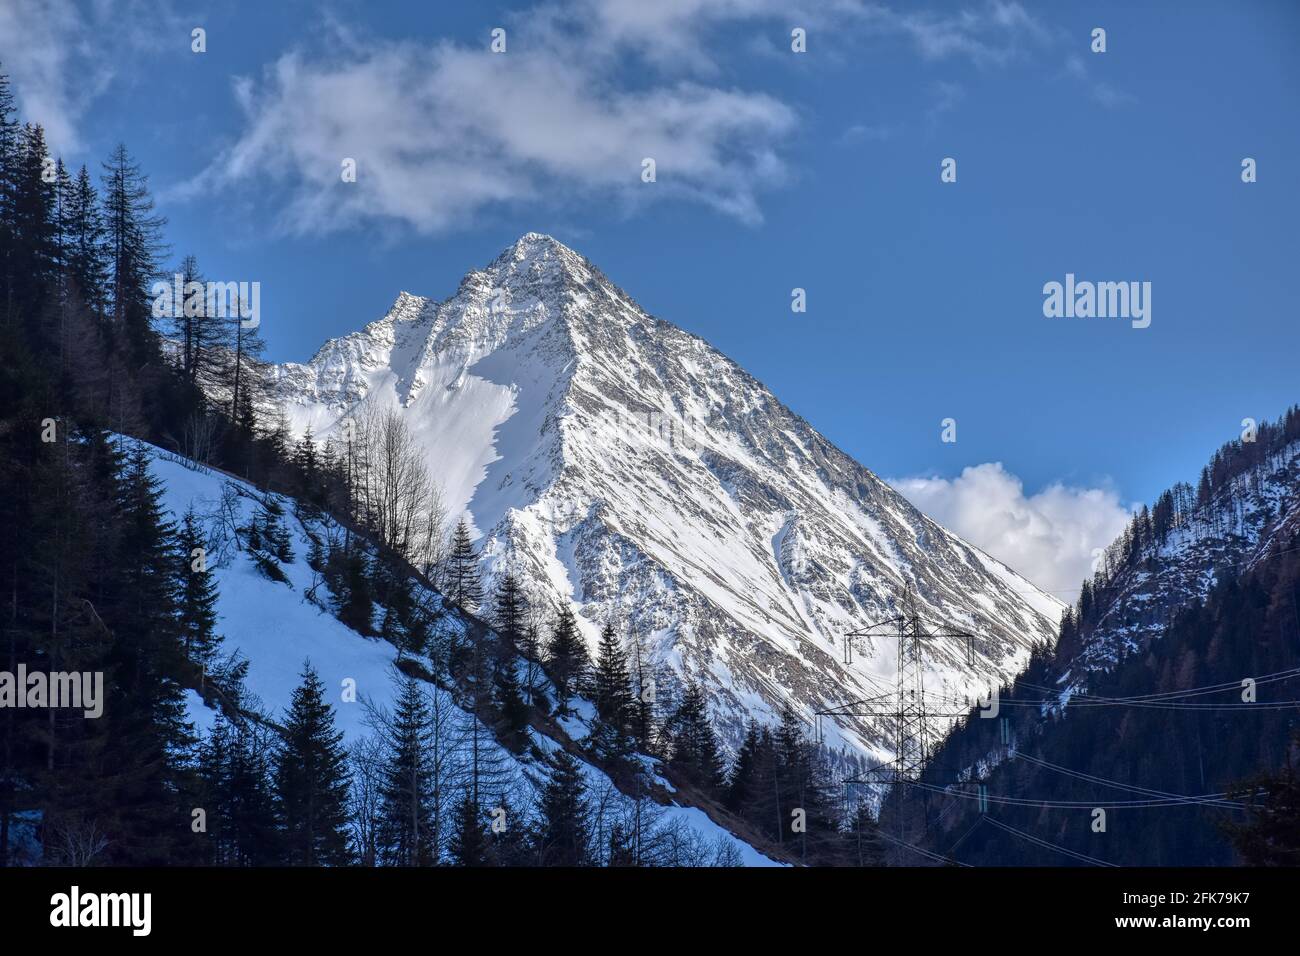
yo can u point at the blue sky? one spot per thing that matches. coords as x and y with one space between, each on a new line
775 170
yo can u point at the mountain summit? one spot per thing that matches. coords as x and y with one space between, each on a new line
622 464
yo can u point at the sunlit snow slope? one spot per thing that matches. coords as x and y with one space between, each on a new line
624 465
278 629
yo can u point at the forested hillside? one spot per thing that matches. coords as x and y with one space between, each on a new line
1169 701
108 565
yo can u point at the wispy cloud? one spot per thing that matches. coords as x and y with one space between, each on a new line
1104 93
61 56
445 132
440 133
991 34
866 133
1049 537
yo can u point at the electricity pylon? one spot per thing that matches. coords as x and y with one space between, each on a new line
912 717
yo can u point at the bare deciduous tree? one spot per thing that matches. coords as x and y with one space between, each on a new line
397 495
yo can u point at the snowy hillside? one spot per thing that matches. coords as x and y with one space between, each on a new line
622 464
277 627
1245 522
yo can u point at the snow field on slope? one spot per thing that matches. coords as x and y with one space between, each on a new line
276 628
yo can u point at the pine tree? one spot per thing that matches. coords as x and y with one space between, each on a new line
742 782
34 224
643 723
406 831
469 843
533 683
803 785
510 610
198 595
464 585
148 727
8 170
405 623
567 661
252 808
612 693
563 834
307 462
508 698
694 753
311 780
85 255
510 615
348 574
621 850
278 540
245 374
201 335
754 788
507 838
486 769
236 796
134 249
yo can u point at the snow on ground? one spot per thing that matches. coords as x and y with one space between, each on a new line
277 629
274 626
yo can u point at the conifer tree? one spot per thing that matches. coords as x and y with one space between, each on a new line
621 851
510 617
509 608
612 693
307 462
643 700
34 222
508 698
148 726
469 842
349 580
742 782
198 595
135 249
236 796
406 831
694 753
567 661
83 230
8 164
214 787
311 780
252 802
464 585
405 623
563 834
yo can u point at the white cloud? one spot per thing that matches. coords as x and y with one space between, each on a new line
37 56
446 132
990 34
440 133
1048 537
1104 93
61 56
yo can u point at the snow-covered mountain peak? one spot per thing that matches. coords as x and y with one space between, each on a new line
622 464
